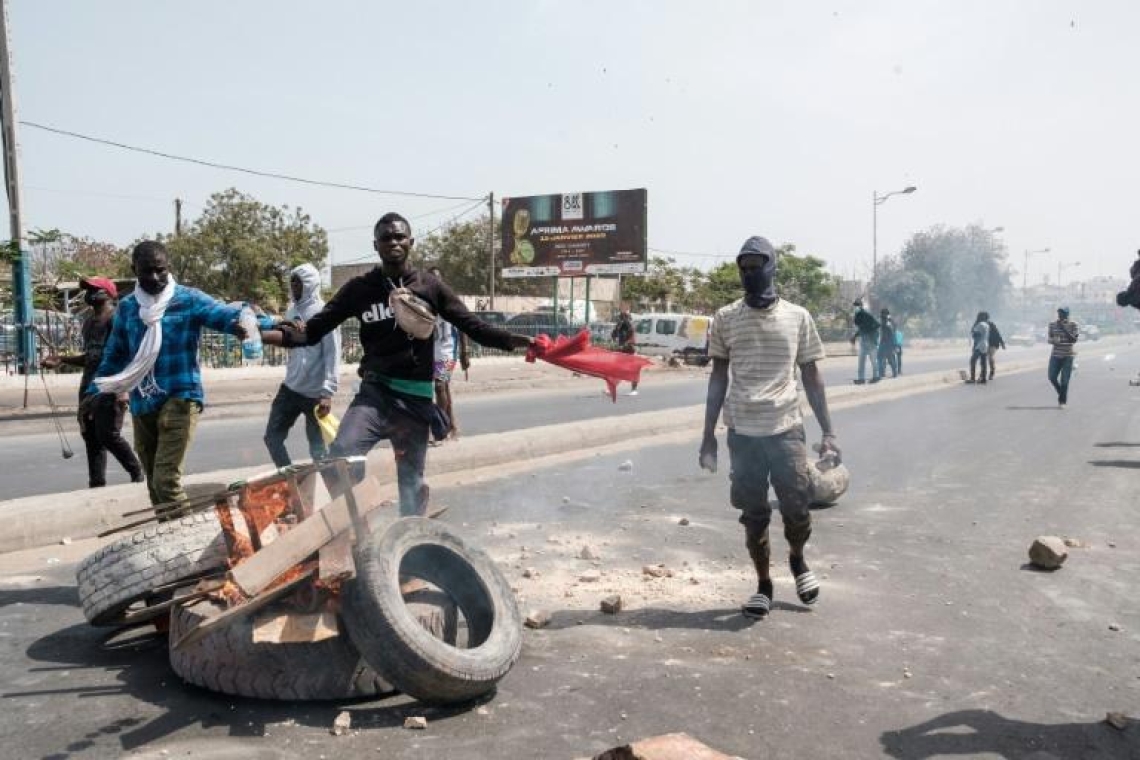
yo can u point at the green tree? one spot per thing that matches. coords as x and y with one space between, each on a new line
968 271
721 287
802 280
460 251
243 249
58 257
908 293
663 286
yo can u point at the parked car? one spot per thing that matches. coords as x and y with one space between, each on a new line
496 318
668 335
536 322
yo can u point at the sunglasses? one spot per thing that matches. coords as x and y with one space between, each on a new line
388 237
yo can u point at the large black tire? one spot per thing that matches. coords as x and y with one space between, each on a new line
228 660
126 572
386 633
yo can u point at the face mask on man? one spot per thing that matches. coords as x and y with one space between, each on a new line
95 298
759 282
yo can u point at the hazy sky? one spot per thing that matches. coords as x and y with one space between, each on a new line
773 118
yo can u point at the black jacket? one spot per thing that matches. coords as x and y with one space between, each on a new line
996 340
388 350
623 330
887 336
866 323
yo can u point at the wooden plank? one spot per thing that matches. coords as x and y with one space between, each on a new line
295 627
336 558
260 570
239 612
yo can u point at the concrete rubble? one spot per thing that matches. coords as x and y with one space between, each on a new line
341 724
612 604
537 619
666 747
1048 553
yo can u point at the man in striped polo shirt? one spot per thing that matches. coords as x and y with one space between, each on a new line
1063 335
756 345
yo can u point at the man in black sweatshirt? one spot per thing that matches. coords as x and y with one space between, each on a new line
996 342
395 401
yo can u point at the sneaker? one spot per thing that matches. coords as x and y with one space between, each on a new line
860 382
632 393
875 380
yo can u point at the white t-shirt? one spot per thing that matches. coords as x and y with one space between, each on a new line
763 348
444 341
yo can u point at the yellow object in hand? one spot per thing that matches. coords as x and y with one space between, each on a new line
329 425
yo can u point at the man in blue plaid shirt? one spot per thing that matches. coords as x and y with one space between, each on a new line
152 352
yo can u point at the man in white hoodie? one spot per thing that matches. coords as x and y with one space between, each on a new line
310 376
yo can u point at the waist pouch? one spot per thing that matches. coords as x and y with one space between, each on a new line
413 314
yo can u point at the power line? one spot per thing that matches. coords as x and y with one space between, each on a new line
410 218
432 231
255 172
691 253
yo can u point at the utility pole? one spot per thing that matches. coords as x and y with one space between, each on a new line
178 217
21 264
491 245
876 201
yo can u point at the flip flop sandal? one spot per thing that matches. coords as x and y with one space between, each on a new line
756 607
807 587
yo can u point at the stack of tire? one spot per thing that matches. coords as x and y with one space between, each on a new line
450 641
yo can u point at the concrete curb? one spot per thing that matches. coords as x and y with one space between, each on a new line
46 519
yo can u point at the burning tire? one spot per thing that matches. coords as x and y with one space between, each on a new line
126 573
386 633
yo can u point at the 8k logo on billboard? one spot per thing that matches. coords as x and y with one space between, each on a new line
572 206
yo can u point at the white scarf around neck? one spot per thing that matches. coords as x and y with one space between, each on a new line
140 372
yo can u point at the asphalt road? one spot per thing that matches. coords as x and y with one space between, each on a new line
33 464
931 639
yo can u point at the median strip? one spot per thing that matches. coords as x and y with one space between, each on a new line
47 519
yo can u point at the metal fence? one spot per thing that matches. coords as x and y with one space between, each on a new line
59 333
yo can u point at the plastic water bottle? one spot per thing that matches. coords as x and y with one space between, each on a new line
251 350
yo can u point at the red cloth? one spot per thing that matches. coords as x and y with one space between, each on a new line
578 355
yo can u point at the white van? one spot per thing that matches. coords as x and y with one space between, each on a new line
668 335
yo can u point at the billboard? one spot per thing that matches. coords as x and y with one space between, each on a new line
574 234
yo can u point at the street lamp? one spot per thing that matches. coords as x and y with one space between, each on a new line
878 200
1062 267
1025 271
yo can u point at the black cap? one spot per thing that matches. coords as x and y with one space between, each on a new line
758 246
